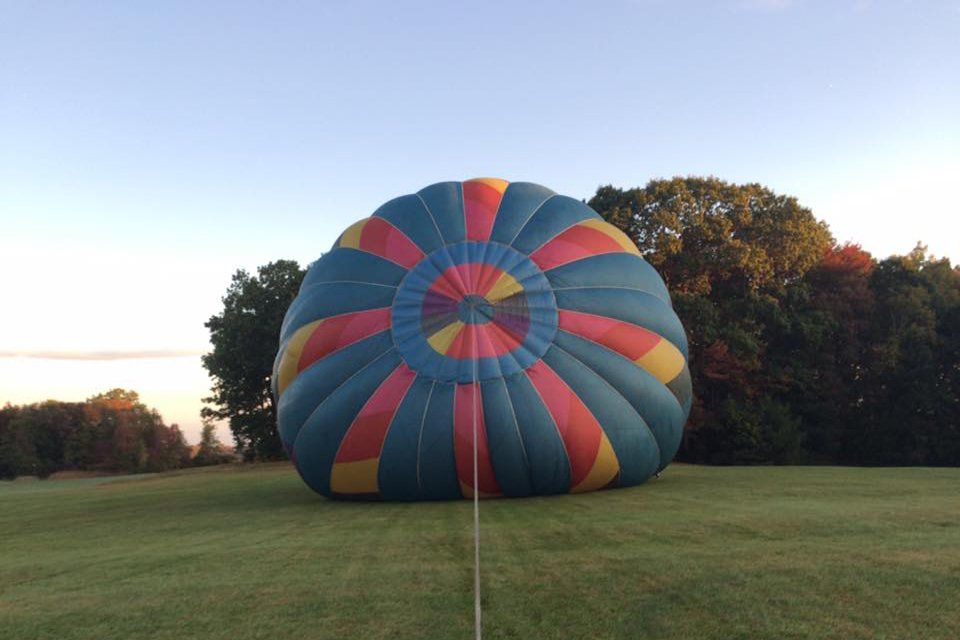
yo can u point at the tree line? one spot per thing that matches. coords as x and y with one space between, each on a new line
109 432
802 350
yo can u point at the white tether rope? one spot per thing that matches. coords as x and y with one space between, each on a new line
476 496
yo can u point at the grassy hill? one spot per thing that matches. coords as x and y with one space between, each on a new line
722 553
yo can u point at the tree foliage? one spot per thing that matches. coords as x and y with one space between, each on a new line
800 350
244 336
112 432
211 451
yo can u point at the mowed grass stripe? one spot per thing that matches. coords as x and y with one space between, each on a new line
734 552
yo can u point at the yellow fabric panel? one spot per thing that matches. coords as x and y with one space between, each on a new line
664 361
505 286
618 236
496 183
351 237
355 477
441 340
287 370
605 468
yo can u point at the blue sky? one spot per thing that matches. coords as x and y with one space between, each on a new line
149 149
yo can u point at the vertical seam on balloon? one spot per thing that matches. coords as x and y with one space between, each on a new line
285 324
596 419
597 375
556 427
443 241
516 424
612 253
463 211
338 349
496 213
402 266
530 217
306 280
423 422
604 286
666 302
296 438
396 410
365 403
372 284
401 232
422 250
561 232
620 355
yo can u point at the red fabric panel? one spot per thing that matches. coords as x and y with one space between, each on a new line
626 339
339 331
383 239
480 204
573 244
578 428
364 439
463 408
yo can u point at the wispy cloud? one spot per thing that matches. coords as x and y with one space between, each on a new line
102 355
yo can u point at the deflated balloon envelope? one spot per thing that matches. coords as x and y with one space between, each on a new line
484 302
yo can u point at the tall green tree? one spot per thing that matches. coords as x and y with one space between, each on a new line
210 451
729 254
244 337
18 454
911 405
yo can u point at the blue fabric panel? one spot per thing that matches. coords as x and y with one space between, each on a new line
321 378
682 388
326 299
556 215
618 270
409 215
520 201
316 445
546 455
504 441
437 464
655 403
636 307
636 448
397 471
444 201
351 265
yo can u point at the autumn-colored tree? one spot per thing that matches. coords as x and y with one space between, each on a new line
112 431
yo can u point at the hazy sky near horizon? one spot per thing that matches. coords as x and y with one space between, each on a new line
148 150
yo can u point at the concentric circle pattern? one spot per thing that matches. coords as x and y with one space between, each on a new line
474 309
490 308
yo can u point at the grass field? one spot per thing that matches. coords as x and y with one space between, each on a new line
701 553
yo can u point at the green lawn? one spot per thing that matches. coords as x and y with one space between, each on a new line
724 553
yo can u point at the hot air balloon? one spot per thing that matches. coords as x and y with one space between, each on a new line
484 312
